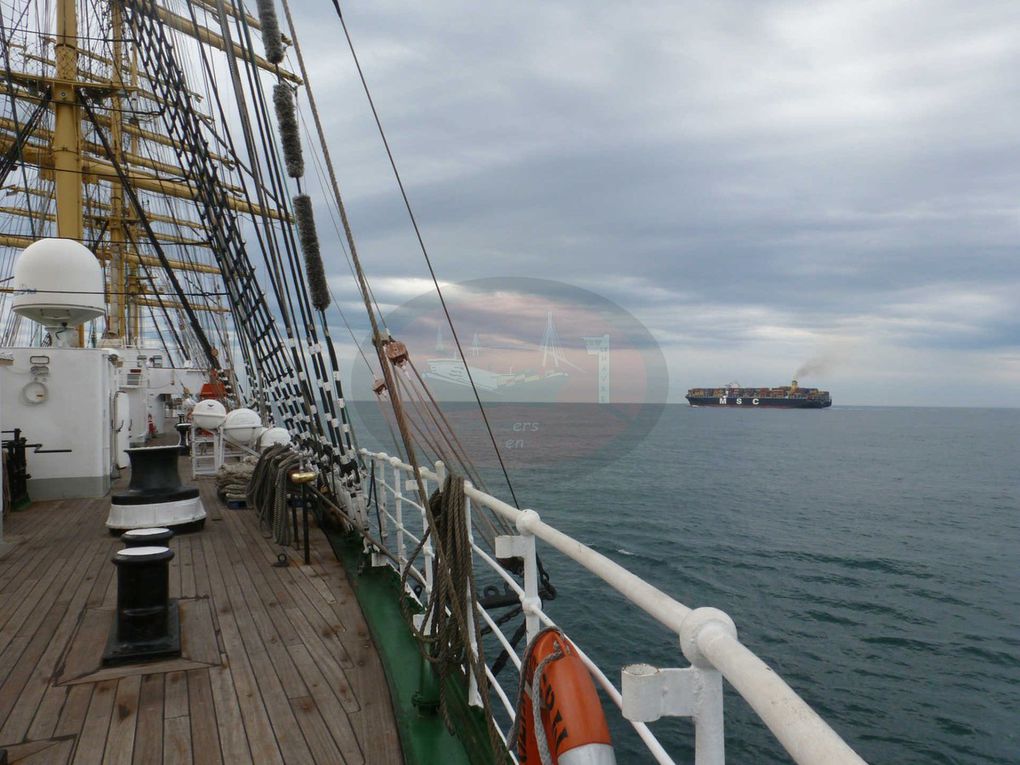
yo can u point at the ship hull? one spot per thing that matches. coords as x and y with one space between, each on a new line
758 402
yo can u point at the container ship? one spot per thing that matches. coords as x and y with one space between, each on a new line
790 396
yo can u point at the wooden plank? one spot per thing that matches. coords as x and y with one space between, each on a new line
273 599
175 695
18 677
187 567
57 754
29 750
266 626
233 742
324 654
149 732
87 645
205 739
177 741
175 569
48 713
45 720
110 595
328 705
36 688
26 529
72 716
115 673
120 741
321 744
202 580
198 634
274 698
259 730
92 741
29 615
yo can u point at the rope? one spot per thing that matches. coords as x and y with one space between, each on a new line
541 740
425 253
267 490
535 695
446 635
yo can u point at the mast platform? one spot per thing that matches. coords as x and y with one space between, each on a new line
277 664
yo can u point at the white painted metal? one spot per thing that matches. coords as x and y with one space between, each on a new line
124 517
122 428
649 694
707 637
60 421
474 697
398 509
59 284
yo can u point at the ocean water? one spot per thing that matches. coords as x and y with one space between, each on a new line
870 555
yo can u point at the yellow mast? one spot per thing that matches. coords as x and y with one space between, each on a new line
66 145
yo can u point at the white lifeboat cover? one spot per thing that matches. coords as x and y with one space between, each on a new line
208 414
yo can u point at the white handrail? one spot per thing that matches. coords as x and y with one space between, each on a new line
707 637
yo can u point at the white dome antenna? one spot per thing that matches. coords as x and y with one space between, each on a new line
59 284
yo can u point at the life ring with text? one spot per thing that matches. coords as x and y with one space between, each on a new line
569 722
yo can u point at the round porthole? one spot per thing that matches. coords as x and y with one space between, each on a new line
35 392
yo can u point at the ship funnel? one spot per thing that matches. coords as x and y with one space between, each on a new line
793 387
59 284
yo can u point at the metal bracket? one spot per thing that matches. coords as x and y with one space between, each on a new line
650 693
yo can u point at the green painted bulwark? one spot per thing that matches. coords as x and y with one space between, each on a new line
423 736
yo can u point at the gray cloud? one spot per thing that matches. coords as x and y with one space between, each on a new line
757 182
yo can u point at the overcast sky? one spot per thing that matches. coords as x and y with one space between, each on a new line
761 183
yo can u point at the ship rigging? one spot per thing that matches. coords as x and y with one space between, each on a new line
171 141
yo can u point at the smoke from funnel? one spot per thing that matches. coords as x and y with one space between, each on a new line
812 367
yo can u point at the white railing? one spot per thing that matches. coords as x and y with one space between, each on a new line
708 637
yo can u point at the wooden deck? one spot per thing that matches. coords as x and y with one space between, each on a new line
277 664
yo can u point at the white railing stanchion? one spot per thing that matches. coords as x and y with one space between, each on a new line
649 693
381 460
398 512
474 697
523 546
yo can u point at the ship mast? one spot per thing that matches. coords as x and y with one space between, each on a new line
66 141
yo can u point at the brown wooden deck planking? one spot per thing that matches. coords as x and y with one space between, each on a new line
298 680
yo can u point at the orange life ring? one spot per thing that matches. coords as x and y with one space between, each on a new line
574 724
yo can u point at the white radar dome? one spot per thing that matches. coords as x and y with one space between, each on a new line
208 414
58 282
274 436
242 425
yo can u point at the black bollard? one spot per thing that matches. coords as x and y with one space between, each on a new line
183 430
147 624
155 537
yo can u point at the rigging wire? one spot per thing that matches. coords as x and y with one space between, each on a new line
424 251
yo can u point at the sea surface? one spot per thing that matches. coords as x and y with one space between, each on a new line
870 555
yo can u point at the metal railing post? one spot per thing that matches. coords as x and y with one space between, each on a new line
398 513
474 697
523 546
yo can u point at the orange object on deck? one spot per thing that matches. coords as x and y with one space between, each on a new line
574 725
